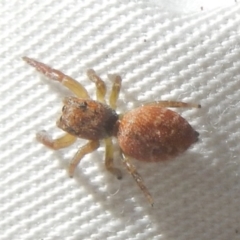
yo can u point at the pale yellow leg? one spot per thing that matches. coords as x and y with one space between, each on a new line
62 142
117 80
56 75
109 159
87 148
173 104
100 85
138 179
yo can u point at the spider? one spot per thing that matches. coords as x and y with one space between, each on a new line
149 133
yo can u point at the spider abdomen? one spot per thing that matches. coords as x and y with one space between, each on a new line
153 133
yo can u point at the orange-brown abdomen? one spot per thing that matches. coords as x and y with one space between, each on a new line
152 133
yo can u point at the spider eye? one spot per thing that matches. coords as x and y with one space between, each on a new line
83 105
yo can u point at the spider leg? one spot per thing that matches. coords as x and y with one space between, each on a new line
61 142
109 158
138 179
116 87
56 75
173 104
100 85
85 149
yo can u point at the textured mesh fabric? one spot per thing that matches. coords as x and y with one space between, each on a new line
169 51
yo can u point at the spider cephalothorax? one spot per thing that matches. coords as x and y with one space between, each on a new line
87 119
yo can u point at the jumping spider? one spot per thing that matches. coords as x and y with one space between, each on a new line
148 133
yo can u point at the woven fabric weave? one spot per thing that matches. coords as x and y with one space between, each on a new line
162 52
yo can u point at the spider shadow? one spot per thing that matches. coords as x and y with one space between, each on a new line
100 185
122 197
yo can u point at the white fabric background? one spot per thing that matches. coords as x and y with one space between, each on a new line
163 51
